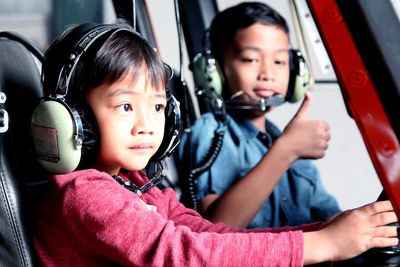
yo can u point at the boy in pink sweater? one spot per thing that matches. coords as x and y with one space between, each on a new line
107 212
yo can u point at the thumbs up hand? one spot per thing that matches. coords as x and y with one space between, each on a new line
306 138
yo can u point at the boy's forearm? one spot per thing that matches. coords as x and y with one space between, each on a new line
239 204
315 248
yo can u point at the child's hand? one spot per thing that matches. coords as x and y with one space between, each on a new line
353 232
307 138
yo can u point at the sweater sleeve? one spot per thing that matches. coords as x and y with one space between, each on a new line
116 224
182 215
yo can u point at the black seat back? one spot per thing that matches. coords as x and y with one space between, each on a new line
20 92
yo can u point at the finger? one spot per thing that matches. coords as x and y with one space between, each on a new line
326 147
328 136
384 218
386 231
381 242
377 207
305 106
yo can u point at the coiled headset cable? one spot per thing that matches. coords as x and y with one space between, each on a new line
189 196
189 188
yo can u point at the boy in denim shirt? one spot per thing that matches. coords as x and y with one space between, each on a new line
261 176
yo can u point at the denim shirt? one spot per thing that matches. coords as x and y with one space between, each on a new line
298 198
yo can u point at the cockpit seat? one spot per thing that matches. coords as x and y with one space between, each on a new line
20 174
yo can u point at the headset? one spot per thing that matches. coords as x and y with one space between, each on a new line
209 80
58 129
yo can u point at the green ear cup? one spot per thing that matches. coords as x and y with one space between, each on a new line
301 84
207 75
53 131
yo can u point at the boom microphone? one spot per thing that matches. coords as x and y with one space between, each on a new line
254 104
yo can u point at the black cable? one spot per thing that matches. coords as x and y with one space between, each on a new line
185 92
179 29
189 195
155 181
134 15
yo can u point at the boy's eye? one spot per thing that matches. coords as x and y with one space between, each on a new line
280 62
125 107
159 107
249 60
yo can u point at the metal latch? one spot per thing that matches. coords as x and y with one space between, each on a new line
3 114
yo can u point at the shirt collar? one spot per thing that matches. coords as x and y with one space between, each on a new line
247 128
249 131
272 129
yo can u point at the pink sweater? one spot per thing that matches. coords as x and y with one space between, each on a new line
88 219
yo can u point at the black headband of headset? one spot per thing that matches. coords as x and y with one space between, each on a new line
88 34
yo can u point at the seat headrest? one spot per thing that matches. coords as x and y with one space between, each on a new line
21 90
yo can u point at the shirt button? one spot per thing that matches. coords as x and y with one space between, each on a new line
284 198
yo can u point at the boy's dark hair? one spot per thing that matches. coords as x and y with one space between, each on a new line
226 23
106 61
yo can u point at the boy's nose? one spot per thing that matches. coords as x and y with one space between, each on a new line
142 126
265 72
144 131
265 75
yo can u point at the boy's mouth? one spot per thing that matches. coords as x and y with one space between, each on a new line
142 147
264 93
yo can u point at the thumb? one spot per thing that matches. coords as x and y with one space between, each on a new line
305 106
